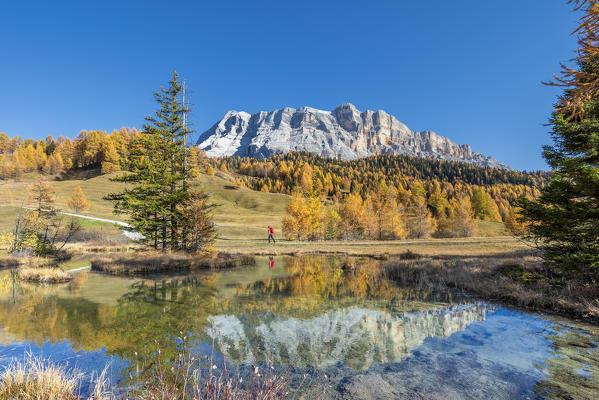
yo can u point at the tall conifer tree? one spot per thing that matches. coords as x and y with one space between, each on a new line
564 220
157 163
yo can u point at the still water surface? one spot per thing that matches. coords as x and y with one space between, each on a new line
334 320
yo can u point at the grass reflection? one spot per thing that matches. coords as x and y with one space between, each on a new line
573 368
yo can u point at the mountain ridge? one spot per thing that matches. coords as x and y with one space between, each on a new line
328 338
344 133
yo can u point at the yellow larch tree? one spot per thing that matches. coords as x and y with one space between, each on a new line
296 222
78 202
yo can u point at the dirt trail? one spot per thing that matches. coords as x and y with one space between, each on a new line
131 235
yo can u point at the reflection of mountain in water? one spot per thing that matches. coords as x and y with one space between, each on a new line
355 336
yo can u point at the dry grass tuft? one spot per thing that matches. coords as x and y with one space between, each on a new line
140 263
43 275
186 376
36 379
13 261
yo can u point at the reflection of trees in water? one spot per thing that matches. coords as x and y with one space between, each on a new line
38 315
318 284
573 368
6 283
330 277
79 279
151 313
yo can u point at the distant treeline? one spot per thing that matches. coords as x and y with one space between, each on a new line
334 179
369 167
90 149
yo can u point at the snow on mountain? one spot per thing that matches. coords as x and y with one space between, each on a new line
335 335
345 133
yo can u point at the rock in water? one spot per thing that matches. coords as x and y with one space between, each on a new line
344 133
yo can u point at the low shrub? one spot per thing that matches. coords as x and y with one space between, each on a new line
409 255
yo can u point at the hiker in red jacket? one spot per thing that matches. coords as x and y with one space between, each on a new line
270 234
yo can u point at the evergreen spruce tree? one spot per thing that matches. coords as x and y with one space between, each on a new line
564 220
158 193
141 200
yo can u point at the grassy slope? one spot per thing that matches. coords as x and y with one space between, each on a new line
243 213
241 217
13 193
240 213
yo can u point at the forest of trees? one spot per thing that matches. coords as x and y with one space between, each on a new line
333 179
364 170
384 196
90 149
385 214
378 197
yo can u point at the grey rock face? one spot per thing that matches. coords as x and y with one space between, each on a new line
344 133
356 336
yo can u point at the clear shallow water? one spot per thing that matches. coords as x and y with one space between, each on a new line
346 328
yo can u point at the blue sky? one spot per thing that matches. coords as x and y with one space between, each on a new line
467 69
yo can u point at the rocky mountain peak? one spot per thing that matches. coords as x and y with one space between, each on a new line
345 133
348 116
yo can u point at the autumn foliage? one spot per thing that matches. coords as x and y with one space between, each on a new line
90 149
78 202
383 197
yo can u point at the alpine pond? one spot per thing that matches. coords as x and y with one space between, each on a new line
331 325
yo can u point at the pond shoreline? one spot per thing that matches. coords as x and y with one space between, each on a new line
515 278
518 280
